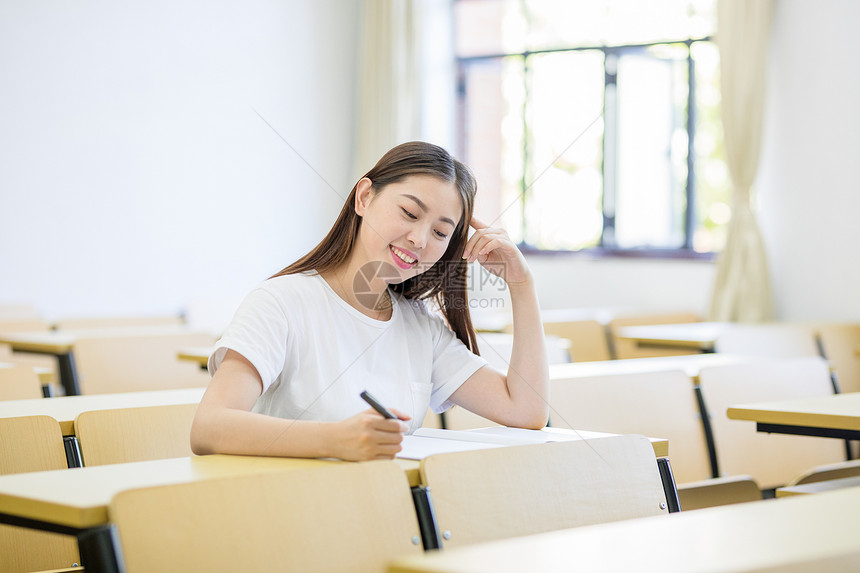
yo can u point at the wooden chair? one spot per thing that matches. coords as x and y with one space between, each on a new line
714 492
85 323
25 323
828 472
30 444
772 459
839 343
457 418
135 434
629 349
768 341
135 362
341 518
484 495
496 348
658 404
19 383
588 339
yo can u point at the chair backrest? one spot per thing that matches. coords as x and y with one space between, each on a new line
341 518
772 460
84 323
30 444
656 404
588 339
497 493
26 324
629 349
459 418
138 362
840 343
135 434
768 341
19 383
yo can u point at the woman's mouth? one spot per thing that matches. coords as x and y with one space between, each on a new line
403 259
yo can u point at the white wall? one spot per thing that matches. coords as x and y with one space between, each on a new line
663 285
809 177
135 173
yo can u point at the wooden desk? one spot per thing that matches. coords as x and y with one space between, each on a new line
197 354
691 365
75 501
698 335
520 436
803 533
65 409
61 344
832 416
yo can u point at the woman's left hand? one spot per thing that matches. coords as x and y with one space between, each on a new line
496 252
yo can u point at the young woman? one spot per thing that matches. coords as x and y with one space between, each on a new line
350 315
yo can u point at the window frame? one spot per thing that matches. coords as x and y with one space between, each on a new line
685 251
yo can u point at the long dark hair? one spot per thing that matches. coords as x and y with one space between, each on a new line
444 282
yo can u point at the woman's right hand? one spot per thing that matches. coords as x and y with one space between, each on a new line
369 436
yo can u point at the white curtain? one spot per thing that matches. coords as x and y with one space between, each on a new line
389 90
742 287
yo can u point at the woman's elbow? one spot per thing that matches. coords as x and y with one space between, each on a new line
537 419
537 423
531 420
201 438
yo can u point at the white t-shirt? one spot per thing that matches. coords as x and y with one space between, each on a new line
315 353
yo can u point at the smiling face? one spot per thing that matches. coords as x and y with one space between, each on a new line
407 224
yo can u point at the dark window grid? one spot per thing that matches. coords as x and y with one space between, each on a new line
610 77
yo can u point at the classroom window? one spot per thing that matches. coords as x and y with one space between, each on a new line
594 125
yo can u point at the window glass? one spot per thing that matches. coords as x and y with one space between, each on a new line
565 131
651 166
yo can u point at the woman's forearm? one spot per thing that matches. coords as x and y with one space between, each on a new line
528 378
222 430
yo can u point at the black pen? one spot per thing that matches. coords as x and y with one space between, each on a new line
377 406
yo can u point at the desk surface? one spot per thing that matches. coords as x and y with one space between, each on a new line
699 335
786 534
46 375
835 411
65 409
62 342
79 497
691 365
819 487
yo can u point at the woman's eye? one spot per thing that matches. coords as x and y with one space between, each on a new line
441 235
408 214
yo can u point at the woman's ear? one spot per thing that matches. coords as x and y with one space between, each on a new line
363 195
